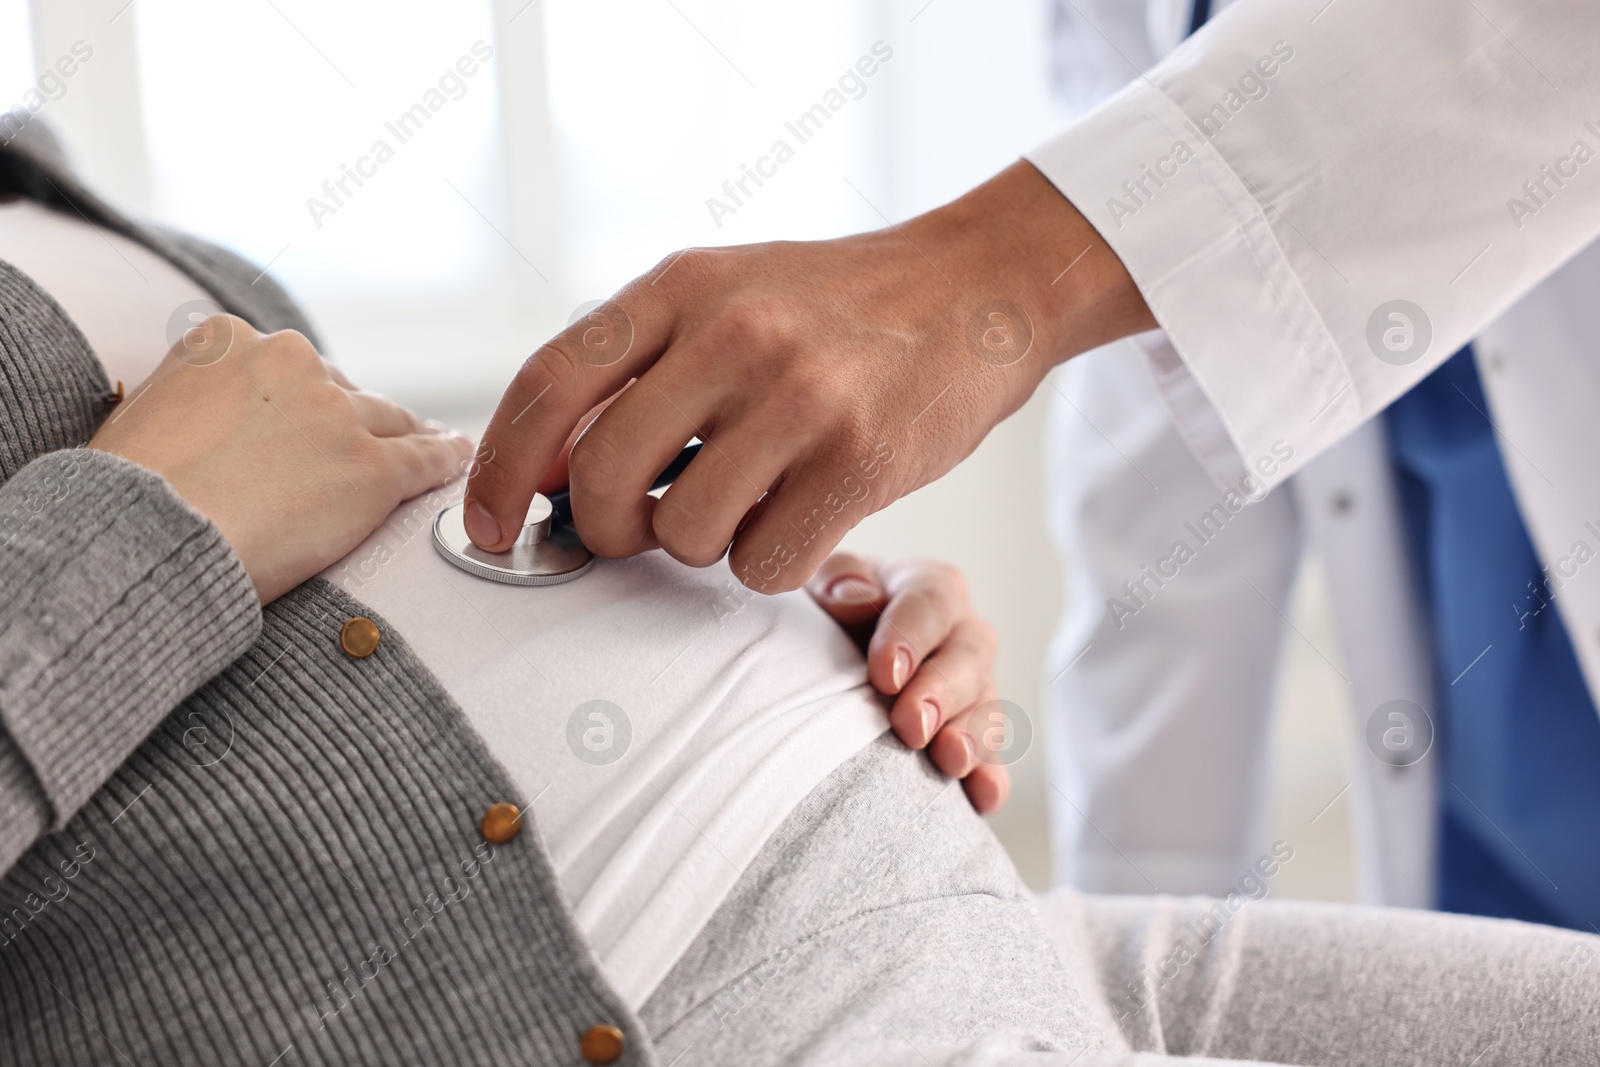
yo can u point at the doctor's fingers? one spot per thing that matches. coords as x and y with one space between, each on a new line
614 462
557 477
808 509
566 377
723 488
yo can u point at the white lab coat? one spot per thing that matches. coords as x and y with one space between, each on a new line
1384 158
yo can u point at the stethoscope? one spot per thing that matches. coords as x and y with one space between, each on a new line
547 551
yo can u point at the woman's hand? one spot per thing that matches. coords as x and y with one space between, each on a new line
926 646
273 445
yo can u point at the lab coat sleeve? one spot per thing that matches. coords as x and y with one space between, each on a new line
1321 201
119 601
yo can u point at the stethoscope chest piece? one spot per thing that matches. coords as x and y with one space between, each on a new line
541 555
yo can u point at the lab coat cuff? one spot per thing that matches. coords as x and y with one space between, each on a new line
1194 417
121 600
1255 363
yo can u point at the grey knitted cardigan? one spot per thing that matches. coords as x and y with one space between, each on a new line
223 840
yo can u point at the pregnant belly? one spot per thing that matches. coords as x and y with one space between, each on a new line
660 720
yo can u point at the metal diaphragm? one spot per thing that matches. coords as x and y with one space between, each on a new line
540 556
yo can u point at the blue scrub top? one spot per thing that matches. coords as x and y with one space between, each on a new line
1518 738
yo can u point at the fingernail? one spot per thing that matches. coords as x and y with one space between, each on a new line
434 426
930 720
902 668
481 526
971 745
852 589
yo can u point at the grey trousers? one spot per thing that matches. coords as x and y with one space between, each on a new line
884 924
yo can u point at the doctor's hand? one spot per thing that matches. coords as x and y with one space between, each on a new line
292 463
826 378
926 647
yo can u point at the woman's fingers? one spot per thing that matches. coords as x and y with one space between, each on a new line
418 462
419 454
957 749
988 787
947 683
847 588
338 375
925 601
973 746
326 465
384 418
927 646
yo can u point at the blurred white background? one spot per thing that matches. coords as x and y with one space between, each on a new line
577 156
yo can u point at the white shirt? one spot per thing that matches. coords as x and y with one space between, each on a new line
737 706
660 721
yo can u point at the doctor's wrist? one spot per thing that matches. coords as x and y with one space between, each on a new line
1040 254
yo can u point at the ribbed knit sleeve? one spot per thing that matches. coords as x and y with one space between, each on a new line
24 815
119 601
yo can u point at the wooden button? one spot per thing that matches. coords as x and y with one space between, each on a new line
500 824
602 1044
359 637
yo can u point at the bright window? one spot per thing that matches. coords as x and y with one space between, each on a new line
16 53
439 224
255 137
657 105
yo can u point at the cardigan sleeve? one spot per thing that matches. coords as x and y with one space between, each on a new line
119 601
